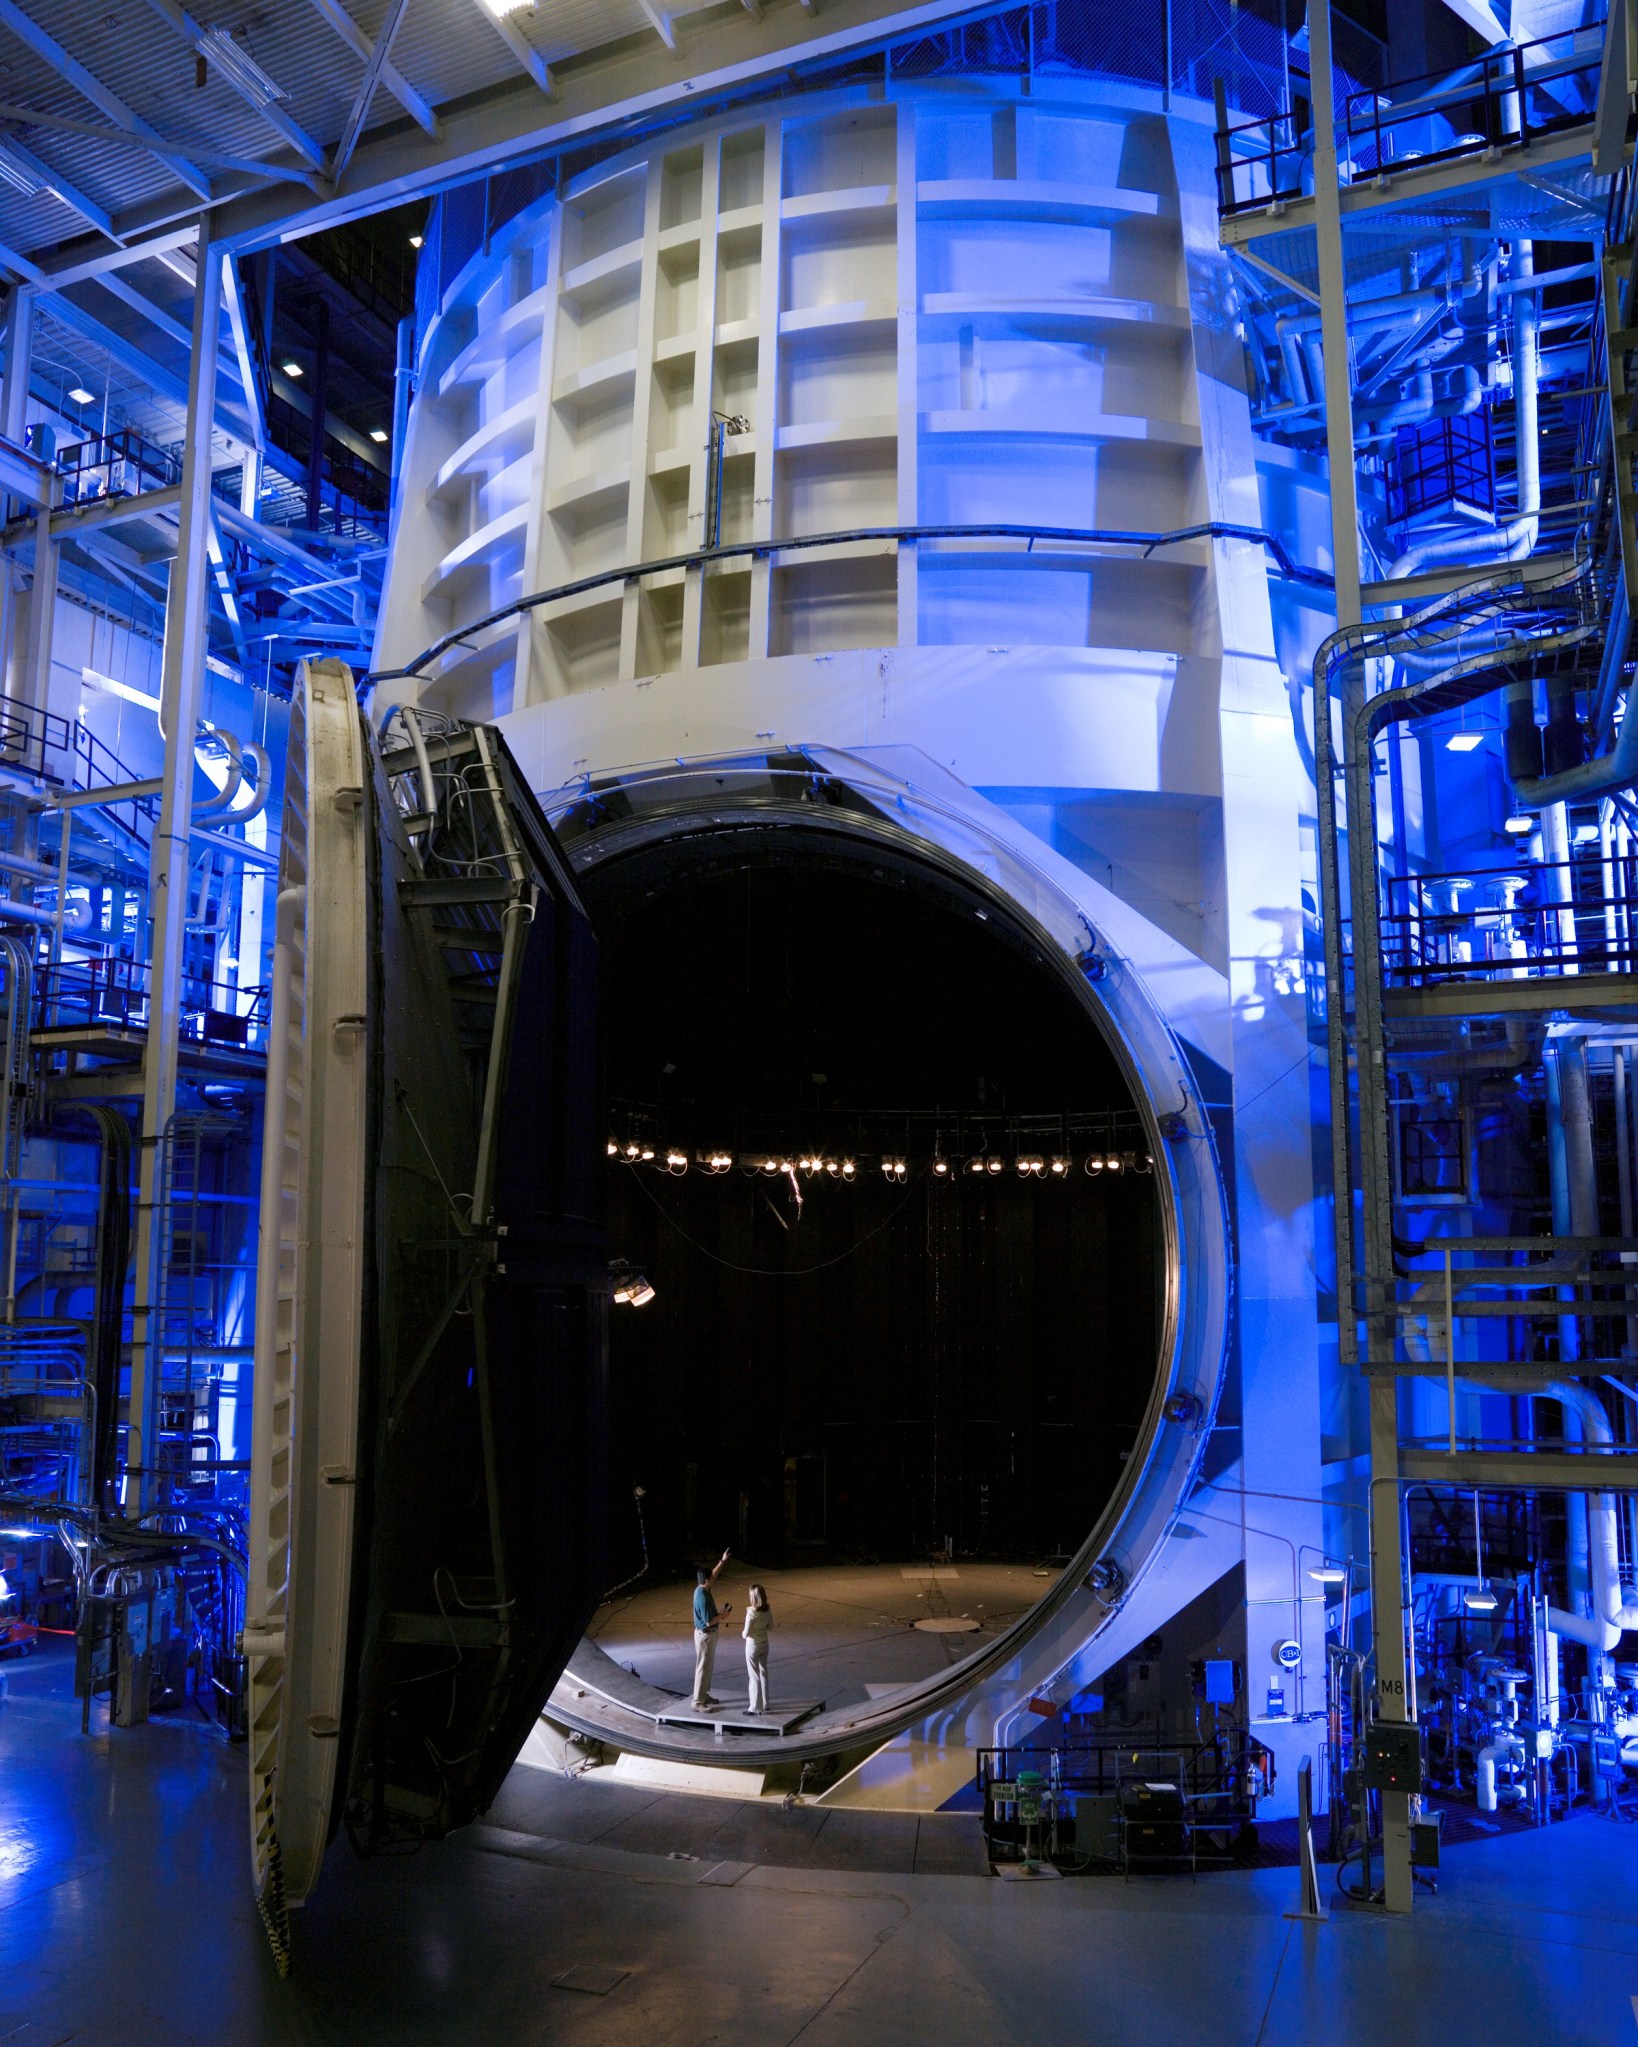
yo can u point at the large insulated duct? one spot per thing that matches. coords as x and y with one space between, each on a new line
1612 1613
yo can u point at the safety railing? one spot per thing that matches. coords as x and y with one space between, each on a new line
70 755
120 464
35 742
113 993
1472 1301
1503 100
1511 923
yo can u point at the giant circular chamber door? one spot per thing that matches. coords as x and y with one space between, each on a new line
919 1241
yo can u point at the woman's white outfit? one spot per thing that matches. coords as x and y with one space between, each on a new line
757 1622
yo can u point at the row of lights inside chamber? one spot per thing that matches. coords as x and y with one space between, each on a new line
894 1166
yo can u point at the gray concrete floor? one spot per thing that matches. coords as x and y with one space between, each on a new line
126 1917
839 1630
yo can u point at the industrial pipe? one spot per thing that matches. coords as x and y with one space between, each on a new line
25 913
263 786
230 781
1517 539
1506 1748
1612 1615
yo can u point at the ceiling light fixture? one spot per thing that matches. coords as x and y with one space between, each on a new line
219 49
81 396
292 368
416 241
1519 826
378 434
500 9
1464 742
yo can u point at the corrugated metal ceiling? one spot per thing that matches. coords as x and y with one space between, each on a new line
448 50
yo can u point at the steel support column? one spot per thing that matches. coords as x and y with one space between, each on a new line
181 695
1394 1698
13 424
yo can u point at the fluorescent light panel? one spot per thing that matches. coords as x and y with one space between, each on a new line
219 49
18 176
1464 742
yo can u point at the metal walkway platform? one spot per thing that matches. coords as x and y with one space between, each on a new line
589 1670
782 1715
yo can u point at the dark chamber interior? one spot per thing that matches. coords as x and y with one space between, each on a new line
888 1371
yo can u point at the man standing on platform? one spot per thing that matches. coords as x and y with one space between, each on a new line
705 1633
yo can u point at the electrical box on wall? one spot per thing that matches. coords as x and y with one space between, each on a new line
1393 1757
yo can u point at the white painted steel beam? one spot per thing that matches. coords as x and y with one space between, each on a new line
528 58
722 51
28 31
353 128
353 36
187 638
239 327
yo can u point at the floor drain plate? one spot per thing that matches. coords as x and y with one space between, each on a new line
589 1979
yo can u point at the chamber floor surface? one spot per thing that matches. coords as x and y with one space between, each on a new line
841 1632
598 1916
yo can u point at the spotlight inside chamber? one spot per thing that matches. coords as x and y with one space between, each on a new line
630 1288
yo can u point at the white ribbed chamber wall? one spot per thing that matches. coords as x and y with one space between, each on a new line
958 305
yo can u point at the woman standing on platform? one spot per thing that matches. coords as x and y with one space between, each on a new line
758 1620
